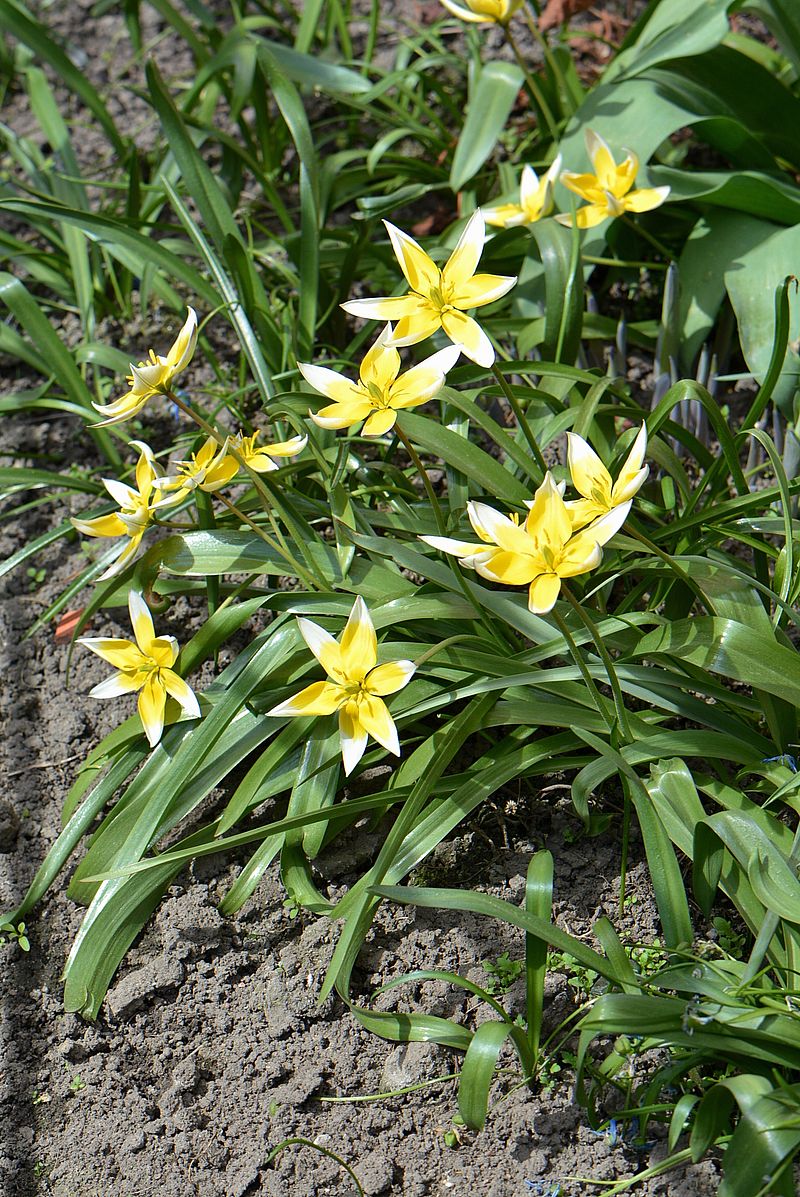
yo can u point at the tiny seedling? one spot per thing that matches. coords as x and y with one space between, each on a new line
503 972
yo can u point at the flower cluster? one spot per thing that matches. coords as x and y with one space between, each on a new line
558 539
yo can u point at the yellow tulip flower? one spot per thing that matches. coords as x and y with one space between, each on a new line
608 191
484 12
137 508
535 199
356 685
260 457
439 298
153 377
209 469
379 394
145 666
539 553
591 479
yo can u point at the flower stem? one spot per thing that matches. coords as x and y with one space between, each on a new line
310 575
265 536
521 418
591 685
648 236
613 680
533 86
423 474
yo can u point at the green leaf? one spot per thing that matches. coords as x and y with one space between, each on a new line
488 110
563 275
477 1072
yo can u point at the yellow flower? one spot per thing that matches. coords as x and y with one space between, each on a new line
484 12
355 687
608 191
259 457
538 553
535 199
209 469
379 394
439 298
145 666
153 377
592 480
137 508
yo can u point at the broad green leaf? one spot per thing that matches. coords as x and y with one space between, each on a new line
488 110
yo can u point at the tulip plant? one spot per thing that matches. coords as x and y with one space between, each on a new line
481 554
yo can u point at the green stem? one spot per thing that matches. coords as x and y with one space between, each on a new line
549 56
616 689
648 236
521 418
273 544
533 86
311 576
442 526
423 474
591 685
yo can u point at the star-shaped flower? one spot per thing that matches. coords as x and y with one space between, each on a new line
146 666
153 377
591 479
379 394
137 509
535 199
608 191
355 687
260 457
439 298
539 553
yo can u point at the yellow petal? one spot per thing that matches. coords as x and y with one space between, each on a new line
481 289
626 174
380 365
329 383
497 529
320 698
164 650
117 685
584 185
548 521
591 215
605 168
582 511
456 548
463 261
646 199
101 525
421 382
181 352
581 554
352 736
327 650
389 678
125 554
221 472
151 703
466 332
632 474
421 272
374 717
504 216
388 307
122 654
511 569
145 468
342 415
589 476
543 593
359 643
182 692
409 330
290 448
465 14
380 422
141 622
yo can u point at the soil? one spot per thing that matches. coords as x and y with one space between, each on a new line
211 1049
